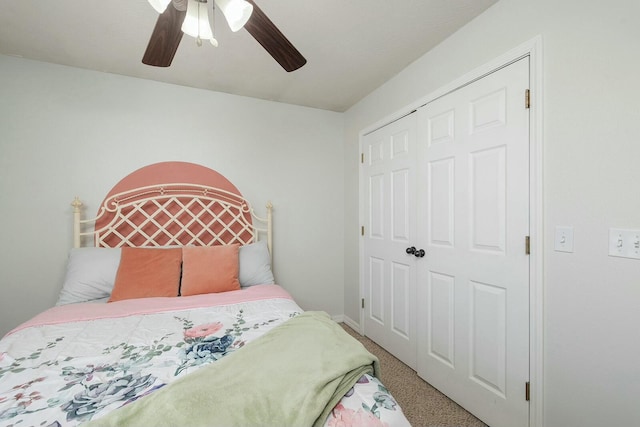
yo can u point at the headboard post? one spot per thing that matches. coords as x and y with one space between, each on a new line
270 229
77 204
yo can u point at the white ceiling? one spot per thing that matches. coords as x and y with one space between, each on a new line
351 46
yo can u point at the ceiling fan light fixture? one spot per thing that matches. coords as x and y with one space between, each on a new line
159 5
236 12
196 22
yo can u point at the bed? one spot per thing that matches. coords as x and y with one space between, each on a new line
170 315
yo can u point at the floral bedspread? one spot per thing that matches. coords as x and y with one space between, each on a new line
63 374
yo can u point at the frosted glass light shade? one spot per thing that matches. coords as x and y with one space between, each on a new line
159 5
236 12
196 22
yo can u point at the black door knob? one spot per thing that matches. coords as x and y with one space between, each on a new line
419 253
411 250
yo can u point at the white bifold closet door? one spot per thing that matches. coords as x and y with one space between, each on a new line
473 217
389 272
453 179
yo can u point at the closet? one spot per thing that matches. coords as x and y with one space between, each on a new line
445 266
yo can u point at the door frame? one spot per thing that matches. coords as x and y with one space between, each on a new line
532 49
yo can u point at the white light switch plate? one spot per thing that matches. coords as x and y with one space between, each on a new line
563 241
624 243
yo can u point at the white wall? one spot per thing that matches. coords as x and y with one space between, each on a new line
591 179
61 130
67 132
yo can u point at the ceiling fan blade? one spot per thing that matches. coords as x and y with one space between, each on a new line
165 38
274 42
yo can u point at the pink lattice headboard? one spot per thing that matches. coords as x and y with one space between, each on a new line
173 213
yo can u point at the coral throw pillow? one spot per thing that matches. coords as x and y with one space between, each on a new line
209 269
147 272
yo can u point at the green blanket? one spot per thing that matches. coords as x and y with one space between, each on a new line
292 376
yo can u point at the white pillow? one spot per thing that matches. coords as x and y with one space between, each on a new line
91 273
255 265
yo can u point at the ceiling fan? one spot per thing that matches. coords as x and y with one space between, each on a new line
169 28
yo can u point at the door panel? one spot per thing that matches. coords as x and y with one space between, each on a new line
389 272
376 206
488 199
400 205
440 336
488 337
401 289
441 202
473 215
376 290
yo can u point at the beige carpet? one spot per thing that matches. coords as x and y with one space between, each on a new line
423 405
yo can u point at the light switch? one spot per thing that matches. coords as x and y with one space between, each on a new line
563 241
624 243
